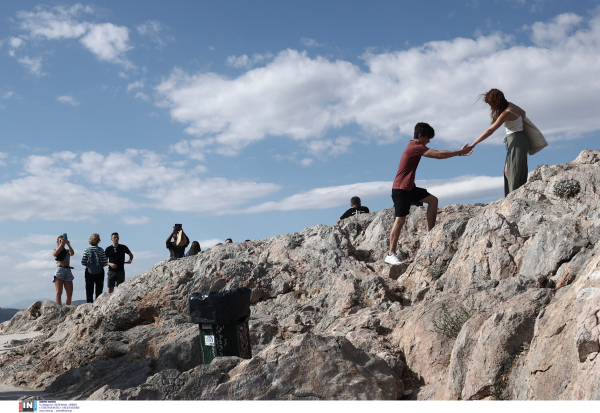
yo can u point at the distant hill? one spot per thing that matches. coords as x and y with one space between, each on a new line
7 313
23 304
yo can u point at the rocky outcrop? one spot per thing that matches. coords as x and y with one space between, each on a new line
497 301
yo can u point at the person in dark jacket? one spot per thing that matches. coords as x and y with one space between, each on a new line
356 209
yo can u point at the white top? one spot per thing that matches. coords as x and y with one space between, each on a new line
513 126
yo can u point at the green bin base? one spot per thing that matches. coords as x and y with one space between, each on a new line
224 340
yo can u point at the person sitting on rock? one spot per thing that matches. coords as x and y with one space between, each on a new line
355 209
194 249
404 191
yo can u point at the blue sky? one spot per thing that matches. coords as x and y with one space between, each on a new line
252 119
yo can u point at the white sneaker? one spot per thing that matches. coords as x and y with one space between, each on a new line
392 259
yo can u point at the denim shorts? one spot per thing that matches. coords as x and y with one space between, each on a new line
64 274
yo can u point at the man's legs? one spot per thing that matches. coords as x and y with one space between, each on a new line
111 280
432 209
395 233
117 278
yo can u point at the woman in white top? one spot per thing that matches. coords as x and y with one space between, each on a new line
517 145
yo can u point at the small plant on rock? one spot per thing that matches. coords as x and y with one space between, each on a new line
438 270
499 388
536 175
523 350
567 188
449 321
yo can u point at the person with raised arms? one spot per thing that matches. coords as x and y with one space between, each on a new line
404 191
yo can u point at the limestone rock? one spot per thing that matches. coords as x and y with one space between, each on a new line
310 367
331 320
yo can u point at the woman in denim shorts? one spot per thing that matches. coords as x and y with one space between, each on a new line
63 276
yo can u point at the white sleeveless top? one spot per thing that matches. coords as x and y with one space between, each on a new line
513 126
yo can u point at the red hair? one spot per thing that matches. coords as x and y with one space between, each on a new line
498 103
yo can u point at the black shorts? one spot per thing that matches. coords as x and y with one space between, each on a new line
115 278
404 199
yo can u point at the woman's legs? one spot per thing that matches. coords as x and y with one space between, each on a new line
99 281
515 168
58 283
69 290
89 287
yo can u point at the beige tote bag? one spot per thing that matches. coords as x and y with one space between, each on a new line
182 239
537 142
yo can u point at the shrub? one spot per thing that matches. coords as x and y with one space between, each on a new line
567 188
536 175
449 321
438 270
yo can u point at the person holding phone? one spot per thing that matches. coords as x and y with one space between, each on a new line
175 250
63 277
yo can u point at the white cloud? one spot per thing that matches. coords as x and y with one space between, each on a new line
137 169
462 189
8 95
194 149
129 220
35 197
38 260
68 99
303 98
321 198
245 62
209 195
211 48
152 30
108 42
55 23
143 96
209 243
308 42
138 84
307 162
333 147
34 66
15 43
3 156
556 31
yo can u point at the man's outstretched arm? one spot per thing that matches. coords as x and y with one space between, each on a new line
432 153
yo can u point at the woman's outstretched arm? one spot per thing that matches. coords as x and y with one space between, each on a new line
488 132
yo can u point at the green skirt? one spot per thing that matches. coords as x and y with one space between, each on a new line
517 146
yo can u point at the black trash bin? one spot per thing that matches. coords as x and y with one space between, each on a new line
223 321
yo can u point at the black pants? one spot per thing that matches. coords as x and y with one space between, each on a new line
92 280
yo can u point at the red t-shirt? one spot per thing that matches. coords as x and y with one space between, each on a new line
405 178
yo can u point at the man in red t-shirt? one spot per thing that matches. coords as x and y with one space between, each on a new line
404 191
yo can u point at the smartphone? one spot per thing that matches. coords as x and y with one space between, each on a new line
65 236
